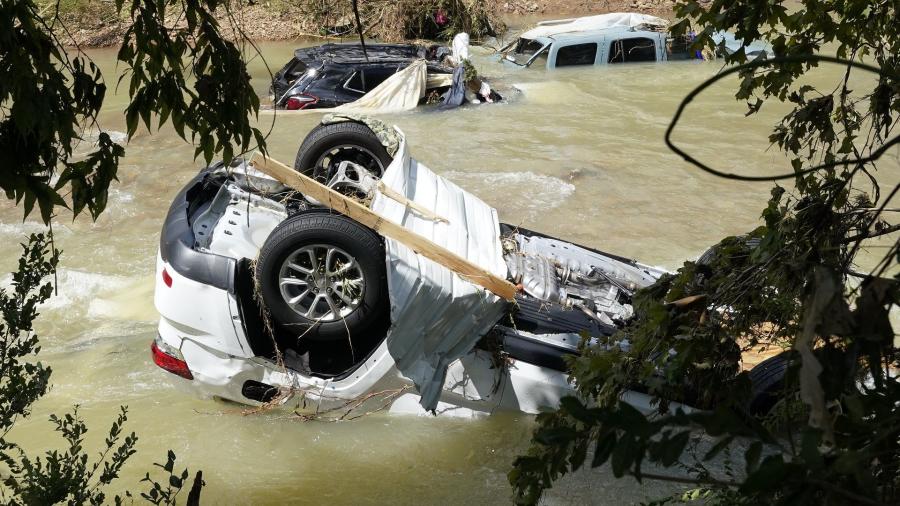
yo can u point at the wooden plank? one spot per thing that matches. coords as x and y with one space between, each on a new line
358 212
389 192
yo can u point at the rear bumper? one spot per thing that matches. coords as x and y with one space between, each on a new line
177 240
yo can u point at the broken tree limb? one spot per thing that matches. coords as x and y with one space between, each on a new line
362 214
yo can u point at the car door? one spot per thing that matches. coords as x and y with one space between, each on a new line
362 80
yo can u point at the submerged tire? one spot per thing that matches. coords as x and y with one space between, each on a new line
707 257
323 277
768 383
327 145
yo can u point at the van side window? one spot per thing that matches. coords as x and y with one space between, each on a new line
578 54
632 50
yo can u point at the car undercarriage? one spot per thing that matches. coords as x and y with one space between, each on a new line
267 295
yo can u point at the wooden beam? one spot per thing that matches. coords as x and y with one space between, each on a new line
389 192
362 214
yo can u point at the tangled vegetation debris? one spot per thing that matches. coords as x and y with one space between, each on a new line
96 23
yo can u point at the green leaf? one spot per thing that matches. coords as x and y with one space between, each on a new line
623 455
809 450
577 410
673 448
555 436
604 448
767 476
751 456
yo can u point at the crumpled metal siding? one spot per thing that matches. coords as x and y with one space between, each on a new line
437 316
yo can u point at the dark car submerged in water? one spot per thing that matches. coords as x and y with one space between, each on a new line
335 74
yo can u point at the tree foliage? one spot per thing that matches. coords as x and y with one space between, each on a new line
67 476
834 435
179 67
46 99
170 41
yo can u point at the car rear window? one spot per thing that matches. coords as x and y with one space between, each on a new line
293 70
578 54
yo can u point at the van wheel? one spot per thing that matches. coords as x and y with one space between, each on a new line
323 277
326 146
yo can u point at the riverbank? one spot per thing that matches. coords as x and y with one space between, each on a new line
94 23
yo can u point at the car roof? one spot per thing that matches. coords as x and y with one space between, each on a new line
617 23
353 53
432 66
596 36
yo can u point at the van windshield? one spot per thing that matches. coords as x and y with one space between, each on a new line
526 51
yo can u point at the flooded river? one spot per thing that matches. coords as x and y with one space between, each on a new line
578 154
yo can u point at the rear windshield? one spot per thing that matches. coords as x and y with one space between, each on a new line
293 70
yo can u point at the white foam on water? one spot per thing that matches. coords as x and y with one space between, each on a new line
20 229
99 296
120 196
90 141
80 289
93 136
521 191
133 302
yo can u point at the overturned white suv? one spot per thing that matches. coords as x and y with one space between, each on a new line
268 296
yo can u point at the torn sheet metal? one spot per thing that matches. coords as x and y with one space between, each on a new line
437 316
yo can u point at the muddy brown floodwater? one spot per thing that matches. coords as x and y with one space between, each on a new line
578 154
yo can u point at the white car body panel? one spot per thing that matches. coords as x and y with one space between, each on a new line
471 387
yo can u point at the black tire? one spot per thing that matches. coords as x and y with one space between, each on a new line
768 379
324 138
309 231
707 257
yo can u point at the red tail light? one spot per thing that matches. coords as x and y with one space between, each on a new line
300 101
167 278
170 363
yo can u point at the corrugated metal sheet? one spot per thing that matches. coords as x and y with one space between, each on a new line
437 317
